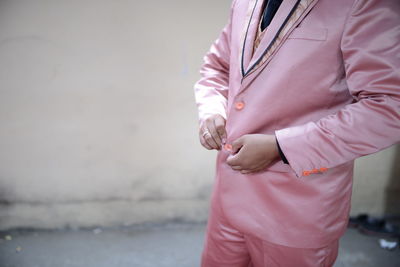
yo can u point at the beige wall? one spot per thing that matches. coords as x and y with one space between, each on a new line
98 124
376 187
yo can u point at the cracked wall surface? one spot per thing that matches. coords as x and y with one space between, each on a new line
98 124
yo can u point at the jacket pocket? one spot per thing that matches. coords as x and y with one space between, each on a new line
307 33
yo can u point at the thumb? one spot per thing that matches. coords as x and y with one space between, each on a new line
220 126
237 144
231 160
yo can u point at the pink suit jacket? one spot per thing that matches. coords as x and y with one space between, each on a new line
325 80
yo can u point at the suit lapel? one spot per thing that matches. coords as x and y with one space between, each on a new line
249 32
288 16
282 15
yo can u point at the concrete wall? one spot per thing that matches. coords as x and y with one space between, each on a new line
376 188
98 124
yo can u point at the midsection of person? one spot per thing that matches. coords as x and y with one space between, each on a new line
317 90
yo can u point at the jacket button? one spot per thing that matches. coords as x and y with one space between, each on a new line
323 169
239 105
315 171
306 173
228 147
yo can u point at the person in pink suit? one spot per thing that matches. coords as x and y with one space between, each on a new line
290 94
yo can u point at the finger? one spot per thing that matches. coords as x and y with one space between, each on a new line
248 171
219 123
209 140
237 168
204 143
234 160
237 144
251 171
214 134
203 130
238 159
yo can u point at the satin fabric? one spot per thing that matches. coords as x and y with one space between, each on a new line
225 246
328 88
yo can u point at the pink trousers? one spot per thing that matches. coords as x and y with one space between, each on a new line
227 247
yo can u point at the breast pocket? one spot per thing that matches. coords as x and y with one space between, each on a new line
307 33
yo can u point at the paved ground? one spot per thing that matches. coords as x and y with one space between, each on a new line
173 245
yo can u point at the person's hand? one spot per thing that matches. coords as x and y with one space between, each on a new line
253 152
212 132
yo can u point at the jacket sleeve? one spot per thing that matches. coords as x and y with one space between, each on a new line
211 91
371 56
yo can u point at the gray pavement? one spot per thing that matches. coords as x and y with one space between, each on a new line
169 245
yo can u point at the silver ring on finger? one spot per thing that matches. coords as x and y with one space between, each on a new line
205 133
